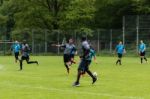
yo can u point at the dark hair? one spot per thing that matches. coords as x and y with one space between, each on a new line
83 38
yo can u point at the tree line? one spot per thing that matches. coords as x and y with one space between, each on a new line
16 15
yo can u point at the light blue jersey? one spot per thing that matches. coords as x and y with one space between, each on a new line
142 47
16 48
120 48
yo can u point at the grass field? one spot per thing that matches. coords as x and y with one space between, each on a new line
49 80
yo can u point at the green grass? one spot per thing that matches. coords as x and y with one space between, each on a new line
49 80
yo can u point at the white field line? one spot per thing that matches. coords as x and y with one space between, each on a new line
1 66
78 92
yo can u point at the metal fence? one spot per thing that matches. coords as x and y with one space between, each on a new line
134 29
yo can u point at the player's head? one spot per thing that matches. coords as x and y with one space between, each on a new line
141 41
83 38
70 41
16 42
24 41
120 42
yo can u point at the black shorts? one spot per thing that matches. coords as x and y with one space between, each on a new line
142 53
67 58
16 55
84 65
72 56
25 58
119 55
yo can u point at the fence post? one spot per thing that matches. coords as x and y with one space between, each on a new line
58 49
45 41
110 40
137 32
123 29
32 41
98 47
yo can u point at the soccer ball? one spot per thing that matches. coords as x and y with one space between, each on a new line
95 74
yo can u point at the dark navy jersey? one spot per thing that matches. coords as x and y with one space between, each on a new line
85 50
25 50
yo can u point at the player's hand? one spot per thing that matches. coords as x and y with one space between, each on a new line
125 52
138 53
53 44
76 53
96 62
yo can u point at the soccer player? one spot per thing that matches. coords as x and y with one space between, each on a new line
120 50
142 49
85 62
68 56
16 49
25 49
91 55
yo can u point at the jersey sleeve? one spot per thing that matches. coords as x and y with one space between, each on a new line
86 49
85 45
63 45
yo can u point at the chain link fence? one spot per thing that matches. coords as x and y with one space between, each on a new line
134 29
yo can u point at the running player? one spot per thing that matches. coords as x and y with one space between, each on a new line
142 49
68 49
85 62
16 49
25 55
120 50
92 55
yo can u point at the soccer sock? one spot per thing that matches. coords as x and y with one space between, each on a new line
20 64
32 62
117 62
78 77
145 58
90 73
67 67
120 62
141 60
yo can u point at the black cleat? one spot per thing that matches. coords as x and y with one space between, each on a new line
76 84
94 80
20 70
68 70
37 63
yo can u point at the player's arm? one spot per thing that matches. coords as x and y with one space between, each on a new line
144 48
124 50
115 51
139 50
95 59
28 48
58 45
